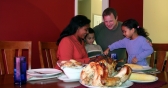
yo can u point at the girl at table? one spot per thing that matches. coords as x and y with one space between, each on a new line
135 43
92 49
71 40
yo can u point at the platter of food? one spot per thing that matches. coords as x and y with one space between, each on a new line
102 73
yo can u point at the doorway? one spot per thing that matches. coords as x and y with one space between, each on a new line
92 9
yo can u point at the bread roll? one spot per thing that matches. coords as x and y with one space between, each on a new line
142 77
135 66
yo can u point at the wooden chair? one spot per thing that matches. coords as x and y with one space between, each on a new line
11 49
159 58
47 52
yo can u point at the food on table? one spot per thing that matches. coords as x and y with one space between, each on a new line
101 73
70 63
71 68
135 66
142 77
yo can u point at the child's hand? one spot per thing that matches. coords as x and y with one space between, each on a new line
106 51
149 42
134 60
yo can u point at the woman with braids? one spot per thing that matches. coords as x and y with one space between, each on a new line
71 40
135 43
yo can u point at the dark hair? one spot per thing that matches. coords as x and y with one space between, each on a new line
109 11
131 23
90 30
76 22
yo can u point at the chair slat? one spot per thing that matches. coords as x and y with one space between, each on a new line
47 53
166 67
53 55
2 70
9 59
152 60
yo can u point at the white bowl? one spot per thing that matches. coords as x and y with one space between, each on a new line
72 73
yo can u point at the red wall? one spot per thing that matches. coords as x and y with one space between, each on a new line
128 9
34 20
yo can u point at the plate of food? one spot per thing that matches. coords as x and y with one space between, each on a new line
43 72
142 78
124 85
71 68
136 67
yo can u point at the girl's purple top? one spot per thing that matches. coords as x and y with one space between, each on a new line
138 48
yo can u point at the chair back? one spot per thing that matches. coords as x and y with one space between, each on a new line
159 57
11 49
47 53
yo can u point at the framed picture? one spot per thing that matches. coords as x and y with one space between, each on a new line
97 20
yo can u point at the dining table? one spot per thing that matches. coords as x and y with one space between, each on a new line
7 81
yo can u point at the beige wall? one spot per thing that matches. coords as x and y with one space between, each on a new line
155 20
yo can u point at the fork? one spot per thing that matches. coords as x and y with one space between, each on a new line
39 72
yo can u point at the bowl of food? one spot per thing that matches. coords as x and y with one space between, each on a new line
71 68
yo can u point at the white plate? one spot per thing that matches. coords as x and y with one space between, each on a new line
43 72
124 85
66 79
138 81
30 78
144 68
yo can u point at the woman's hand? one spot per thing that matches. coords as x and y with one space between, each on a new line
134 60
106 51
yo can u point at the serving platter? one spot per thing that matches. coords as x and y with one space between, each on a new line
124 85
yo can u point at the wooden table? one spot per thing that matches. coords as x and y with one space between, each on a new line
6 81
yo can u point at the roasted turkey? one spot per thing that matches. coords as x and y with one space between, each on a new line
101 72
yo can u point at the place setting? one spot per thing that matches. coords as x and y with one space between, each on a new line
43 73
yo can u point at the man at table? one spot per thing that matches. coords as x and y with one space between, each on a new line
109 32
